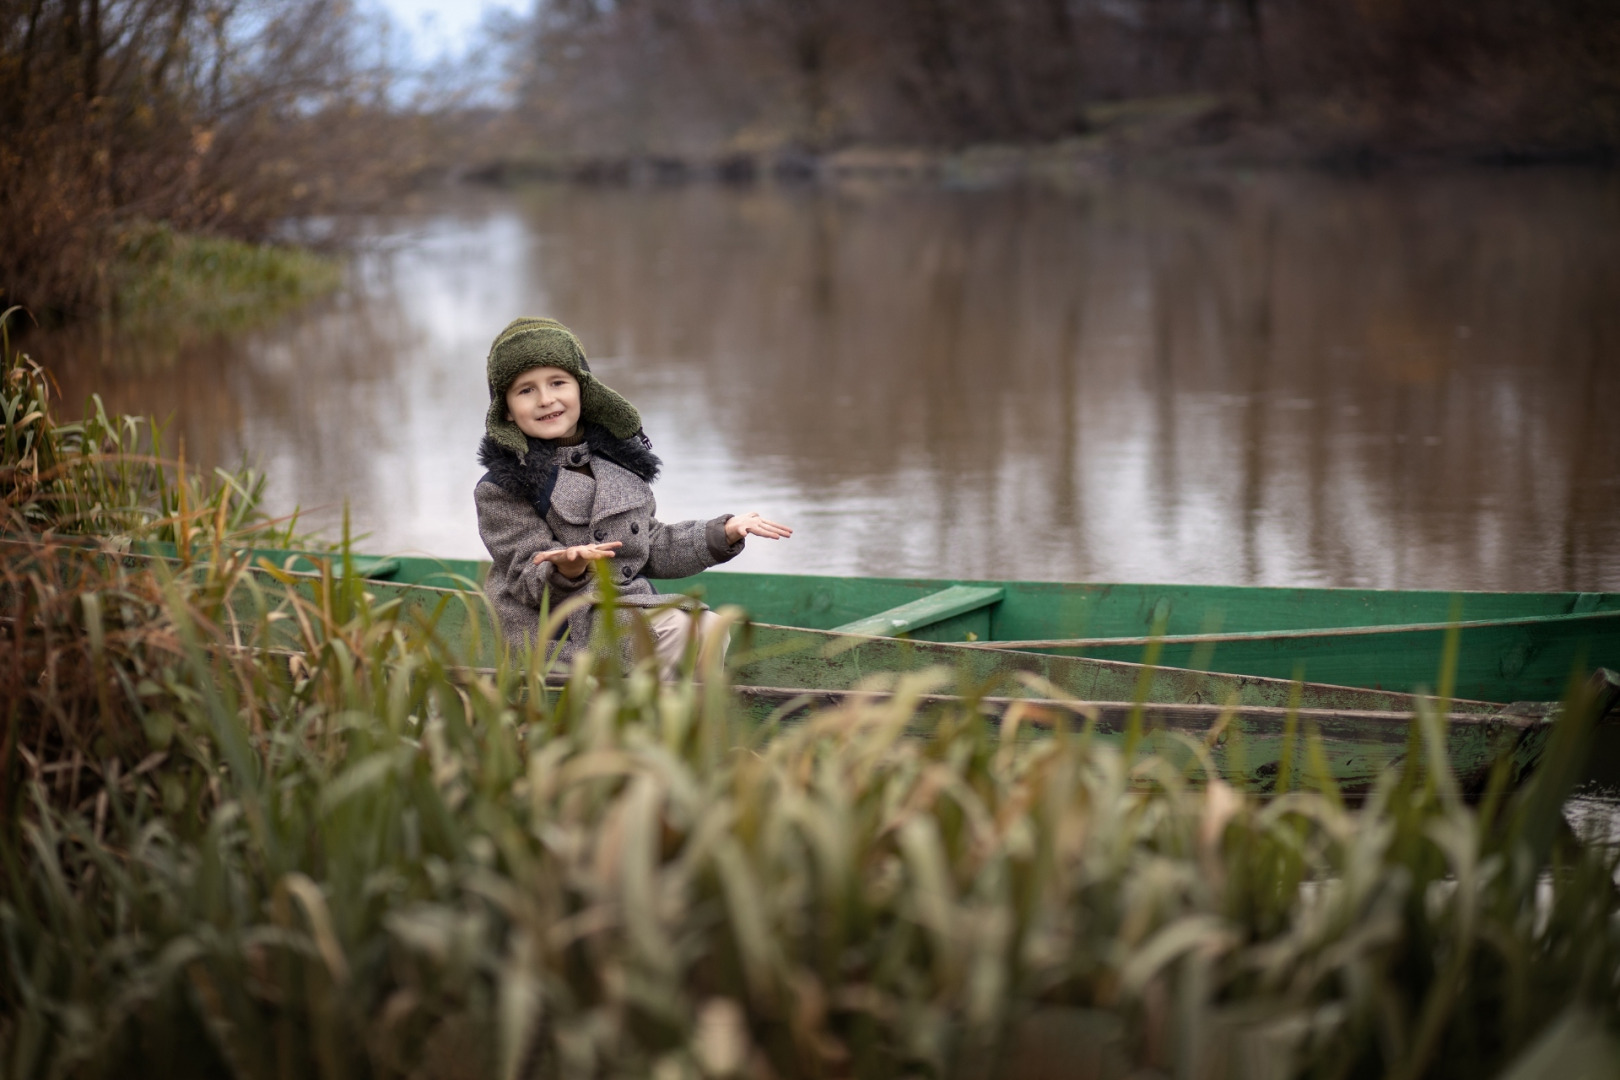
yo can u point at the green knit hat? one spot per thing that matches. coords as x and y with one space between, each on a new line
530 343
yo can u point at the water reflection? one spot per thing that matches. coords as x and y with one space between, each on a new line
1274 380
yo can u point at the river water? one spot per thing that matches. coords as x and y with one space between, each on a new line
1280 379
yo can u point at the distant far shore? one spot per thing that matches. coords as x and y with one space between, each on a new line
1162 136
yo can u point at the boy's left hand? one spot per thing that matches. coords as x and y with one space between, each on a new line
751 524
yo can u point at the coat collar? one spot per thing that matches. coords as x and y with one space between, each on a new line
617 489
609 488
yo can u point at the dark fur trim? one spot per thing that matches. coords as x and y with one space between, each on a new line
633 454
533 478
530 480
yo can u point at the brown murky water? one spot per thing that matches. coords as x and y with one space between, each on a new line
1401 382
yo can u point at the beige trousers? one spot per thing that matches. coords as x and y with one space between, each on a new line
672 629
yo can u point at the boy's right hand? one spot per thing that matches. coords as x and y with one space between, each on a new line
572 561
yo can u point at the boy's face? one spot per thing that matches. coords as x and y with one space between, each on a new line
544 403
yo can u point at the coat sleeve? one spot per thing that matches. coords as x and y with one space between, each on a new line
685 548
514 533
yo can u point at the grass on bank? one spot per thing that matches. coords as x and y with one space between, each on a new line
174 281
358 856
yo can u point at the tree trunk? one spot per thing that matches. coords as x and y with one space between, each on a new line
1257 42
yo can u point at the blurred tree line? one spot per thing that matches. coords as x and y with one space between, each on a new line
213 116
229 117
683 76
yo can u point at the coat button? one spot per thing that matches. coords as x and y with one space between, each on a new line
634 528
575 458
600 534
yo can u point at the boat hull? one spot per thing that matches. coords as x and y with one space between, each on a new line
1258 748
1512 646
1252 726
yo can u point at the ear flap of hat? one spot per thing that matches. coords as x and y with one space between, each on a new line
602 406
504 431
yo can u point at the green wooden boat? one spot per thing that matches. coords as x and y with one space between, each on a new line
1513 646
1248 724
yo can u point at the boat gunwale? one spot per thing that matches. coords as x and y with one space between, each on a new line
443 565
1307 633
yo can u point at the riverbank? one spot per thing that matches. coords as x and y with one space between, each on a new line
165 287
1166 136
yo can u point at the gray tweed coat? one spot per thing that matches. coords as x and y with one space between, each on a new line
607 502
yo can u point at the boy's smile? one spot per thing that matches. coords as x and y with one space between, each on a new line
544 403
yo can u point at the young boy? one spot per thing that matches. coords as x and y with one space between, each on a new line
569 469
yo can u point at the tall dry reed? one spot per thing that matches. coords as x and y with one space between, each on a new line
360 856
